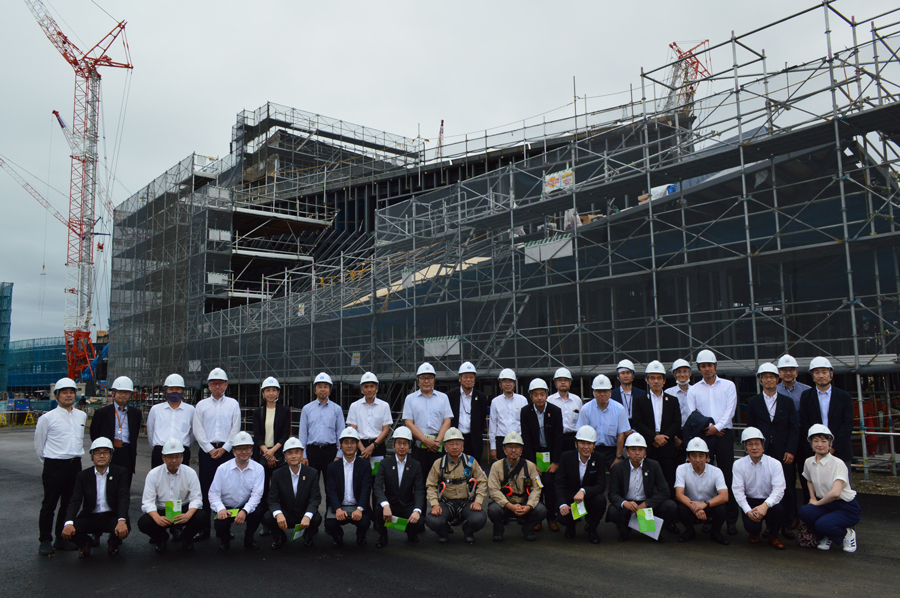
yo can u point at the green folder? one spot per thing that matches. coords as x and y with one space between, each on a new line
298 532
432 436
397 523
173 509
543 462
375 466
233 512
579 510
646 522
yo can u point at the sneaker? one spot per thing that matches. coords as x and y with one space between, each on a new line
850 541
824 544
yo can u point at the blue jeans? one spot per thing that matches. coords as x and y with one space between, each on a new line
831 520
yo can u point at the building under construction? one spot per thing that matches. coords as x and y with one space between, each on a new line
748 208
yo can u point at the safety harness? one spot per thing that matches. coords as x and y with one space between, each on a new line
456 505
510 474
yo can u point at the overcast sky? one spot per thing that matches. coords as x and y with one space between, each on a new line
391 65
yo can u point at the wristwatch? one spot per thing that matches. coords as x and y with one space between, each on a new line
707 504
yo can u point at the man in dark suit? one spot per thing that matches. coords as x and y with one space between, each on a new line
773 414
581 478
293 498
121 424
347 504
542 431
626 393
400 489
638 483
657 417
102 488
470 411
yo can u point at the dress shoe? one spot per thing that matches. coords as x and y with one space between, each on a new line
732 529
85 551
224 544
530 537
554 526
176 533
570 531
707 527
672 527
660 539
498 538
593 537
112 549
687 536
382 541
361 540
161 547
788 534
753 539
443 539
412 538
337 541
278 544
200 536
46 549
539 527
776 543
187 544
61 544
251 545
470 539
623 536
718 538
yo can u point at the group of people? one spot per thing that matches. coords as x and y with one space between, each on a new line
549 459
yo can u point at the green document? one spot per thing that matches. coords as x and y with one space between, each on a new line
646 522
233 512
376 463
173 509
578 510
397 523
432 436
543 462
298 532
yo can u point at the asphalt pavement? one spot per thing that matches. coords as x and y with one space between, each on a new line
550 566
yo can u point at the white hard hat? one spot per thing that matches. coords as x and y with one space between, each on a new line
787 361
537 383
270 382
323 377
706 356
635 440
586 433
625 364
453 434
242 439
655 367
767 368
174 380
513 438
65 383
368 377
404 432
819 362
681 363
562 373
817 429
123 383
750 433
102 442
292 443
425 368
172 446
217 374
601 382
507 374
697 445
349 432
467 368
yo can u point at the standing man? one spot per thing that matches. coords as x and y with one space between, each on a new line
515 487
470 411
121 424
772 413
717 398
701 493
789 385
59 444
371 417
542 433
609 420
400 490
506 409
570 404
627 393
294 498
657 417
217 419
758 488
581 478
238 485
347 481
427 414
681 369
172 419
321 422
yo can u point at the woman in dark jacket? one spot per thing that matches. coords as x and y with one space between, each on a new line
271 429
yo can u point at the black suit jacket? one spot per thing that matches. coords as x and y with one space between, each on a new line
655 487
118 495
281 427
531 433
782 433
408 495
840 420
362 483
104 424
281 493
644 423
568 481
481 408
636 393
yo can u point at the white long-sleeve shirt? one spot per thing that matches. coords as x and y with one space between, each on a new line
505 417
570 407
160 486
681 395
764 479
216 420
234 488
717 400
59 434
164 422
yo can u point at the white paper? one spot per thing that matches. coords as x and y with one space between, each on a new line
581 509
633 524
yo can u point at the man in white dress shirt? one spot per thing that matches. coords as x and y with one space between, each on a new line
172 419
758 488
59 444
427 414
238 486
506 412
570 404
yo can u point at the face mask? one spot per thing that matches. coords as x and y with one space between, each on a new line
174 397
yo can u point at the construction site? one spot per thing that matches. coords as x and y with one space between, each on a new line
738 201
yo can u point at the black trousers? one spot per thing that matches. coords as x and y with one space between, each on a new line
722 448
775 518
58 478
665 456
251 524
333 526
425 457
320 456
159 534
667 511
279 535
569 442
499 516
208 467
595 505
122 457
267 471
156 456
473 445
96 523
606 454
380 451
715 515
548 495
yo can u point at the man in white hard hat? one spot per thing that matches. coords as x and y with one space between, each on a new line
657 417
581 478
772 413
830 406
716 398
59 444
701 493
238 486
171 498
217 419
758 488
120 423
455 490
171 419
515 488
102 491
788 369
681 369
639 483
506 409
427 414
347 482
626 393
541 425
609 421
570 405
470 409
294 498
321 423
400 490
